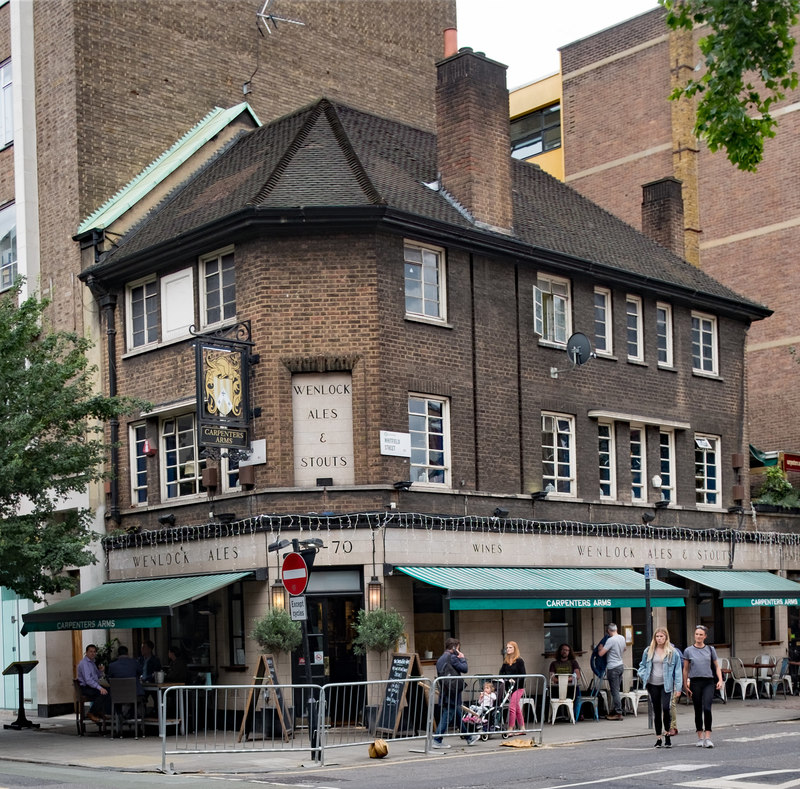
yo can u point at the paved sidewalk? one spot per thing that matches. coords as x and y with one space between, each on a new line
57 742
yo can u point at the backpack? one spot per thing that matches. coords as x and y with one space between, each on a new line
598 662
450 688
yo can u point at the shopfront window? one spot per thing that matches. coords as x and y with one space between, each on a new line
562 627
768 623
431 621
712 614
236 623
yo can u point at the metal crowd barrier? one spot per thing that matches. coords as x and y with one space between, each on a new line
214 719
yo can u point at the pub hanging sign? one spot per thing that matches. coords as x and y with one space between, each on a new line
223 396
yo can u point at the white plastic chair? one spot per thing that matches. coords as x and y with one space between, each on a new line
741 680
566 683
725 670
763 676
635 692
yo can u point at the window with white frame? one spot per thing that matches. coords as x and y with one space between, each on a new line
424 282
6 104
138 436
142 313
8 246
552 320
218 291
558 454
428 424
666 469
704 344
664 334
602 322
633 325
706 470
229 471
606 460
181 464
638 464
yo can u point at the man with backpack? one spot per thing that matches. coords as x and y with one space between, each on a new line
450 666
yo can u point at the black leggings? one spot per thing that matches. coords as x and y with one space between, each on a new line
702 695
660 700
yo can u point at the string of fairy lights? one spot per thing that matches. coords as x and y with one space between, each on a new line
411 521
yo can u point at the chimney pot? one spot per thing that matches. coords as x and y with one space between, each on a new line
450 42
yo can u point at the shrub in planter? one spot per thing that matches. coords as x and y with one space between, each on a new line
377 631
277 632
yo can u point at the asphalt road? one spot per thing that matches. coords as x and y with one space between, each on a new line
756 756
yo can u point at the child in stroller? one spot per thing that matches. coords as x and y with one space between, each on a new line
487 715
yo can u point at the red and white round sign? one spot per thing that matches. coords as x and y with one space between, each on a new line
294 574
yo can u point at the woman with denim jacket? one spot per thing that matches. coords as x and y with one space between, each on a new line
661 671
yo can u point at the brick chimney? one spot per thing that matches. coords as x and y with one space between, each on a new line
662 213
474 146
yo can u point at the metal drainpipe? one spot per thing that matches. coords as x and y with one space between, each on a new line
108 305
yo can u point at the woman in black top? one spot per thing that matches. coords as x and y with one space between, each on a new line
514 666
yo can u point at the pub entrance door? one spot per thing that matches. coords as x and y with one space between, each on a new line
331 631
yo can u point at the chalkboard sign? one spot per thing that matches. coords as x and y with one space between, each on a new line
265 672
395 697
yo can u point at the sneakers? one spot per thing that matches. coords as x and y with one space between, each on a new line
472 740
616 717
658 743
699 744
708 744
440 744
667 742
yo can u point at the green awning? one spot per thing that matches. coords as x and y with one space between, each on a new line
746 588
759 459
493 588
125 604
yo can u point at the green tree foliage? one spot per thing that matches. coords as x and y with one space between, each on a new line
277 632
51 447
748 60
377 631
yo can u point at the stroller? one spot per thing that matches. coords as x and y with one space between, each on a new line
484 719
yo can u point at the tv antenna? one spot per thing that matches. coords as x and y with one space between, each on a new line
579 351
266 16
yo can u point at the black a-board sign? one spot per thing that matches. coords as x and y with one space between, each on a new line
397 691
266 673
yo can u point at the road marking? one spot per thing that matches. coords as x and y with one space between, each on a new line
602 780
775 736
742 781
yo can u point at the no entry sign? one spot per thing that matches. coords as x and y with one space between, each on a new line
294 574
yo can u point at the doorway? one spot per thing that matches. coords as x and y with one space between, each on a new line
331 630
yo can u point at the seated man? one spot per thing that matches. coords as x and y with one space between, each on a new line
125 666
566 663
89 677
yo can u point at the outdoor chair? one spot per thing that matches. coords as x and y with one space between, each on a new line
725 670
780 678
566 696
741 680
635 692
81 716
763 676
124 696
592 696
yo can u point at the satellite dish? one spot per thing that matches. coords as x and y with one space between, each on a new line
579 351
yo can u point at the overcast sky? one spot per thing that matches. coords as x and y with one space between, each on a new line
526 34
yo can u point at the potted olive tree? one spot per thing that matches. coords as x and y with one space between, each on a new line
377 631
275 632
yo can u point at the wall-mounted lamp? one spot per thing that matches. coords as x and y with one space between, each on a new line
403 484
278 596
167 520
500 513
374 593
661 504
148 449
736 510
539 495
648 517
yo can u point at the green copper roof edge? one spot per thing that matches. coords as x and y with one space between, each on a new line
164 165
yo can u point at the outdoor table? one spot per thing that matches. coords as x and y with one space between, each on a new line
162 713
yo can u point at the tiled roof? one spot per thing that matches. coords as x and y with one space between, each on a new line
332 156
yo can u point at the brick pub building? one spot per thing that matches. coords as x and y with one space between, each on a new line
418 400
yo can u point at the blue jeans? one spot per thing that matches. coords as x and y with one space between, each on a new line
614 677
447 715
